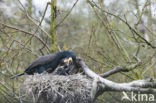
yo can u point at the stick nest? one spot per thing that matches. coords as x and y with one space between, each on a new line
48 88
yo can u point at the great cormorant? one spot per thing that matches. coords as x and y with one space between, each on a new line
49 63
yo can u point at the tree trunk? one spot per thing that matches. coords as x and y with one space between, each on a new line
52 26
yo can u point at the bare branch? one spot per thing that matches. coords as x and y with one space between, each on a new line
30 18
20 30
108 85
122 68
129 26
66 14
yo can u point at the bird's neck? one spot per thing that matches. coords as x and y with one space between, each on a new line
62 54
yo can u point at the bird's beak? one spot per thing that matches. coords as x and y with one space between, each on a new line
68 61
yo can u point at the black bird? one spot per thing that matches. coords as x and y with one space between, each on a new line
49 63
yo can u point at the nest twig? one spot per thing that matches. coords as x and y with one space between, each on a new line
48 88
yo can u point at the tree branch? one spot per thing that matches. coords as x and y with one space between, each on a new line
66 15
125 22
20 30
122 68
145 86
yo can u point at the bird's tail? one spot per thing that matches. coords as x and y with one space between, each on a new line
17 75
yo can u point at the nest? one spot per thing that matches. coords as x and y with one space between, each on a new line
48 88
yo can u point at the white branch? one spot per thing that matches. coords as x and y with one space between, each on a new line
107 85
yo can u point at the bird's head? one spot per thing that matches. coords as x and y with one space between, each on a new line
68 61
70 57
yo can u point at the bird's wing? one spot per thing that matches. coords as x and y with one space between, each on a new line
42 60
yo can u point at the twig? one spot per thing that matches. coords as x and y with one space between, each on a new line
43 46
20 30
122 68
66 15
142 11
132 29
111 35
32 20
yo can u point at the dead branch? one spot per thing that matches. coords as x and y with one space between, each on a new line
107 85
66 14
125 22
123 68
20 30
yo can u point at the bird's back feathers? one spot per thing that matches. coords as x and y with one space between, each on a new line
42 60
